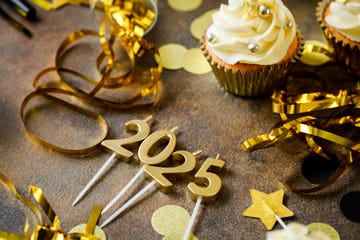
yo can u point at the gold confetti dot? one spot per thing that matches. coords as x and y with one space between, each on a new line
326 229
195 62
171 222
199 25
184 5
171 56
315 53
81 228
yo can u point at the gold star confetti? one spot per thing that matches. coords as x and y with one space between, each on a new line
267 206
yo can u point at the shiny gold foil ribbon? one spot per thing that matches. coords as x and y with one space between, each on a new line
300 115
44 231
283 103
310 127
125 21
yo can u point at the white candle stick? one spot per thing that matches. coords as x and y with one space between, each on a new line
121 193
134 198
94 179
193 218
206 193
128 203
140 125
280 221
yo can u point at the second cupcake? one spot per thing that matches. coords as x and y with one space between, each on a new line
250 45
340 22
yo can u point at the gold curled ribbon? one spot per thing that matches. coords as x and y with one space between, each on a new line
128 20
284 103
303 125
316 53
44 231
301 114
46 92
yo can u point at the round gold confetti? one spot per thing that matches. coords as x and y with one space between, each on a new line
81 228
171 56
199 25
326 229
171 222
315 53
195 62
184 5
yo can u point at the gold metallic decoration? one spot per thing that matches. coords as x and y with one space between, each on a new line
264 11
170 221
155 139
90 227
184 5
284 103
211 38
158 174
206 184
195 62
125 22
43 231
171 56
199 25
316 53
205 187
299 117
117 146
289 24
45 92
326 229
266 207
253 47
156 150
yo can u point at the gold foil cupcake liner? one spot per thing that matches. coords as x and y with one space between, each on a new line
252 83
345 52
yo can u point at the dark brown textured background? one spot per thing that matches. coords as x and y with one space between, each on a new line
208 118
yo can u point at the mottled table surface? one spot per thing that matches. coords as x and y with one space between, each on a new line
208 118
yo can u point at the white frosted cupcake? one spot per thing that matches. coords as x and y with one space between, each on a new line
296 231
251 44
340 22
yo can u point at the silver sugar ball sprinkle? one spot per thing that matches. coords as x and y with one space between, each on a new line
289 24
264 11
253 47
211 38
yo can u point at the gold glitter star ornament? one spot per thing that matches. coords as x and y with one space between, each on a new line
267 206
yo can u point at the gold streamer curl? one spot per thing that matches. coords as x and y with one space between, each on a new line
44 231
125 21
304 110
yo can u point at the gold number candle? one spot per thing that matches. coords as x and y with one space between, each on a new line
141 129
205 187
156 173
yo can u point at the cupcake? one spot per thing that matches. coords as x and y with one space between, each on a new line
340 22
250 45
296 231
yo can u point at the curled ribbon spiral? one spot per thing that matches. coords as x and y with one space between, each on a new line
44 231
122 27
301 114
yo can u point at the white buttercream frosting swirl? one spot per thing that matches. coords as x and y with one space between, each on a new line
296 231
251 31
345 17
